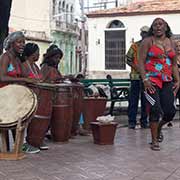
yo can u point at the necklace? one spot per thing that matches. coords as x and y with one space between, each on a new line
33 70
160 42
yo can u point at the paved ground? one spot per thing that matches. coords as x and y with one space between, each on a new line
130 158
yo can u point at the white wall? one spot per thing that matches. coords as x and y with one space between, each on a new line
32 15
97 26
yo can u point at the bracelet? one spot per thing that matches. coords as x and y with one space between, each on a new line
146 79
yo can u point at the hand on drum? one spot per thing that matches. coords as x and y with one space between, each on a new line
30 80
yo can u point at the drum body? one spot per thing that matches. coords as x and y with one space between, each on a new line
39 125
93 107
78 95
17 103
61 121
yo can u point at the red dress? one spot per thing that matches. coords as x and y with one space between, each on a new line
158 65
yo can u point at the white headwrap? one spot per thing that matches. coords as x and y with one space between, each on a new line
11 38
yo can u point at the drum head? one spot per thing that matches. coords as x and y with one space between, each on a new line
17 102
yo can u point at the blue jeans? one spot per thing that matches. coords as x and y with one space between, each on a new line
136 90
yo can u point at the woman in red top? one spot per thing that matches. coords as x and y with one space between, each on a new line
10 63
30 70
49 66
158 68
30 57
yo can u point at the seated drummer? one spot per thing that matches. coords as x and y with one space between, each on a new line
49 65
10 63
30 70
29 57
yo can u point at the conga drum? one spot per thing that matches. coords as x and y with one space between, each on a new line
62 113
17 107
39 125
78 94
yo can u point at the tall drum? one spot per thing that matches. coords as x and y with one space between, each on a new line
39 125
78 94
61 121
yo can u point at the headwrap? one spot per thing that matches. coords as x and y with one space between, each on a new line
11 38
50 52
53 50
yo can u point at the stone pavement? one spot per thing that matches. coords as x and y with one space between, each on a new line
130 158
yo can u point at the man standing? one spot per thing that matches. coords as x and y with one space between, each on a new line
136 84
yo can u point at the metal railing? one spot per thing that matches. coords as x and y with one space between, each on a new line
58 25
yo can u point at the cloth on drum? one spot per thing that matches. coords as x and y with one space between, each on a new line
104 91
98 90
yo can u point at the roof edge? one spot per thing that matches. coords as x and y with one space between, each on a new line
132 13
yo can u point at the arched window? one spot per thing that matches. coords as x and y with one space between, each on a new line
60 11
54 7
115 46
71 13
59 7
63 6
67 13
63 10
116 24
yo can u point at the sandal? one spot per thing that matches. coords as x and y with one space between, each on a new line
160 137
155 146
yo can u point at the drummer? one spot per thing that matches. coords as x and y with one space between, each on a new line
30 56
31 70
49 65
10 63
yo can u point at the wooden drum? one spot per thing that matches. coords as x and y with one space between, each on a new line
17 107
39 125
17 103
61 121
78 94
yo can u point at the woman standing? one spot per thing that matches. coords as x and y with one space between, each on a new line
178 63
159 72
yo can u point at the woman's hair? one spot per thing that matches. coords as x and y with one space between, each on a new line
29 49
50 52
168 31
11 38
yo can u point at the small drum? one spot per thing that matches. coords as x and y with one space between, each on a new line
93 107
62 114
17 103
78 94
39 125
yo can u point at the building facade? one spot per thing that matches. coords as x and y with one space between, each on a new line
112 31
65 33
46 22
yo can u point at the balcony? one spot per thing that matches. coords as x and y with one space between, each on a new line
61 26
